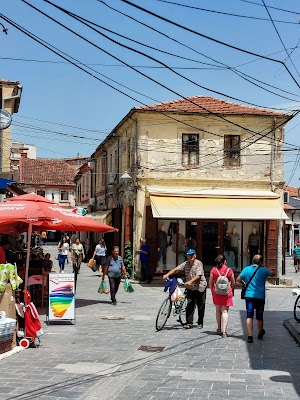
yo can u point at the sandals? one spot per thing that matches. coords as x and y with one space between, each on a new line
188 326
224 335
219 332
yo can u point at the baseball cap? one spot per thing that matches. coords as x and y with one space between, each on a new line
190 251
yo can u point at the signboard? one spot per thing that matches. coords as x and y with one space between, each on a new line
61 304
5 119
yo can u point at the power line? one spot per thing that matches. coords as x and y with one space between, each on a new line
207 37
280 38
224 13
275 8
234 70
41 42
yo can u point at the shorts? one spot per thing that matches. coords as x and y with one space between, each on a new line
296 261
255 304
100 260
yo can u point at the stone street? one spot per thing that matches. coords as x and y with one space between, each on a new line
99 356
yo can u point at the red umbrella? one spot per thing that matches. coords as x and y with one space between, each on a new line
33 212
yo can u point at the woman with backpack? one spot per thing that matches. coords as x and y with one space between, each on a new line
221 283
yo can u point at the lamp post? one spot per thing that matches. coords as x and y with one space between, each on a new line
125 178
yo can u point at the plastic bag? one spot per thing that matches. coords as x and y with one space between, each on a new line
103 288
127 286
177 295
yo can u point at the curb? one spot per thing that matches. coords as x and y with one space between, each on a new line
293 331
15 350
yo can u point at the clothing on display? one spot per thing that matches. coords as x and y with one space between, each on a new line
234 239
181 243
230 259
253 244
162 246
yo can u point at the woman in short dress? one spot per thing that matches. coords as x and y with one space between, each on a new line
100 255
222 302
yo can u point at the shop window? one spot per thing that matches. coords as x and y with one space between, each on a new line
41 193
64 195
190 149
232 150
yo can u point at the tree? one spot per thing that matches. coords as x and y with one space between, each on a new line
128 258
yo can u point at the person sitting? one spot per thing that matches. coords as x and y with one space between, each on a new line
47 264
35 265
20 243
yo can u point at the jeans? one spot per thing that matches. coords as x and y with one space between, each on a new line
61 261
194 297
114 284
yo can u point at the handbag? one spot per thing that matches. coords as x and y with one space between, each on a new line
243 292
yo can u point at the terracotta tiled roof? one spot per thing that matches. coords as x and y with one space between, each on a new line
293 191
288 207
210 104
46 171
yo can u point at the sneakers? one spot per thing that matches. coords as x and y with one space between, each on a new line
114 303
250 339
200 326
261 334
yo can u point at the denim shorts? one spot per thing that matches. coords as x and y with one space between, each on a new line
255 304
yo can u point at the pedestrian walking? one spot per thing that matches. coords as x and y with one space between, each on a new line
196 287
100 255
114 268
63 248
296 257
254 278
222 301
43 238
144 259
77 254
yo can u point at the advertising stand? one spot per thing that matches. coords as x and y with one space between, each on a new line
61 304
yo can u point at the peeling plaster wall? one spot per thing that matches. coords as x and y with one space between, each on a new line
160 150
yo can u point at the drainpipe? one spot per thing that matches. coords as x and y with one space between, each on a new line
135 241
272 155
105 179
279 252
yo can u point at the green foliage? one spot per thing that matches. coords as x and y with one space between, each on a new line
128 258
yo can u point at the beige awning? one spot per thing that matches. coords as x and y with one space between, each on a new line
172 207
101 216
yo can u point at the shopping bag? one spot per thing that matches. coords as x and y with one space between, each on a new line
91 263
177 295
103 288
127 286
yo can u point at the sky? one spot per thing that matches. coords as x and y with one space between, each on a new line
66 112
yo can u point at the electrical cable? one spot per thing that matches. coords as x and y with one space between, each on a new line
106 52
83 21
233 69
207 37
280 38
275 8
224 13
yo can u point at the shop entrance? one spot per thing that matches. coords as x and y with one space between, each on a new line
211 243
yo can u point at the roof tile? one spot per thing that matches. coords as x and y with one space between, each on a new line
46 171
209 105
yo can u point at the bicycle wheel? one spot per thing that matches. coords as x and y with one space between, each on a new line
163 314
182 312
297 309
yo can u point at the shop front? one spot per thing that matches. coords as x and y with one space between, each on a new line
239 228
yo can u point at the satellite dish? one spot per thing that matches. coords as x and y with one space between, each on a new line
5 119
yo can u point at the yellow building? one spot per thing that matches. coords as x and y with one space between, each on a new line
10 96
204 173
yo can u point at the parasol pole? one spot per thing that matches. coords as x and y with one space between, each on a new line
29 232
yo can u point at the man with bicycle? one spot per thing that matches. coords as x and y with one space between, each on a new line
196 287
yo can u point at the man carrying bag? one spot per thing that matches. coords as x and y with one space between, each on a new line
254 278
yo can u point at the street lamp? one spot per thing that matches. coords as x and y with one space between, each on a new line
125 178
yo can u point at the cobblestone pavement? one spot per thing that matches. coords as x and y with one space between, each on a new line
98 358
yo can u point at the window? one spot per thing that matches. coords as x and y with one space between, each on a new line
190 149
232 150
64 195
41 193
285 197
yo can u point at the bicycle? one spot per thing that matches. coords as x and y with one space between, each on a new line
178 307
297 305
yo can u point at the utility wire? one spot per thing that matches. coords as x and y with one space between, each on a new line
233 69
280 38
41 42
208 37
224 13
275 8
153 80
87 23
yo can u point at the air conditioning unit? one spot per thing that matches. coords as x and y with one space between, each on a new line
111 178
